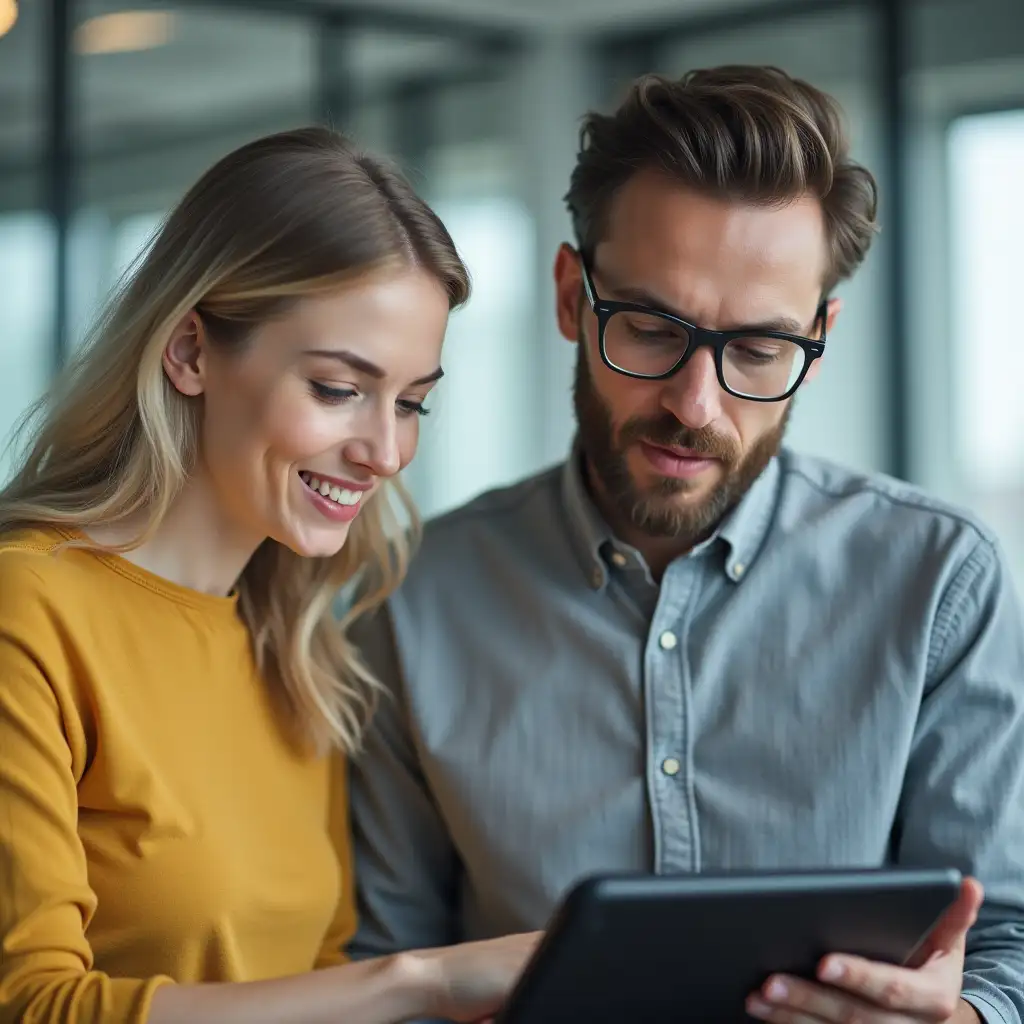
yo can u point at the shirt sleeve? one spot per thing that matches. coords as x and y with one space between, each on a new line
963 799
343 925
46 965
407 870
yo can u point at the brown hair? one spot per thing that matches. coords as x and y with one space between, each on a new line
295 214
750 133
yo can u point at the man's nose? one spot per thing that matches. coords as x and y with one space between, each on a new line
694 395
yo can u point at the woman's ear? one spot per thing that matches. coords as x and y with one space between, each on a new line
185 355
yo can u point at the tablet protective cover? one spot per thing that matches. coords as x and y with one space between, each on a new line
666 949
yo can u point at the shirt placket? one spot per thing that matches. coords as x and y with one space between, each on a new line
667 703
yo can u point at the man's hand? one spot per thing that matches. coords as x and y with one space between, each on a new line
851 989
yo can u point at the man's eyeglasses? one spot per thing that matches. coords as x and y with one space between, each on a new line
760 365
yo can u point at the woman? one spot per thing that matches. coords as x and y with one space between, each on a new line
215 465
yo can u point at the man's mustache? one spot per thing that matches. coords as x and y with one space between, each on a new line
667 430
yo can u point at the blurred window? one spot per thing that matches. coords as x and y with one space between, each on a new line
986 154
26 235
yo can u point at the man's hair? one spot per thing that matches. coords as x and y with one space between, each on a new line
752 134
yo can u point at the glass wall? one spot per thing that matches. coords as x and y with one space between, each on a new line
986 154
486 124
966 94
160 93
159 96
477 436
26 235
493 153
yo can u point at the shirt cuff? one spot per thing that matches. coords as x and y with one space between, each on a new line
989 1013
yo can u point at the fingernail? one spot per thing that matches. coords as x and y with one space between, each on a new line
776 990
758 1009
832 970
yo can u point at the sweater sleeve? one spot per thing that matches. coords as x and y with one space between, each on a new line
46 965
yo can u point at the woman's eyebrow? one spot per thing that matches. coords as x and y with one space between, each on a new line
361 365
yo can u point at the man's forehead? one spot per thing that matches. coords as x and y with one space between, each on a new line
714 257
667 219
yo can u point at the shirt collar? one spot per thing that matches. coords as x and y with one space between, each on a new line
743 530
587 529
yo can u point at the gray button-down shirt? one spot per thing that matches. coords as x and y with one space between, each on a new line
836 678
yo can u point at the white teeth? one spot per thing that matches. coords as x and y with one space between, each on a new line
340 495
343 497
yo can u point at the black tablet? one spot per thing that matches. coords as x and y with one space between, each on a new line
666 949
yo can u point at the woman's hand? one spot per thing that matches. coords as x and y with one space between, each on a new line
466 983
471 981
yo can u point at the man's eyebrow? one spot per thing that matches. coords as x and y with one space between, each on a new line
642 297
361 365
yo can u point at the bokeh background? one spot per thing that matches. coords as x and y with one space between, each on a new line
109 110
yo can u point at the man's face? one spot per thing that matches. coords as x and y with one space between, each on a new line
668 458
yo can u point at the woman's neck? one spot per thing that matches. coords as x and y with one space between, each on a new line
194 546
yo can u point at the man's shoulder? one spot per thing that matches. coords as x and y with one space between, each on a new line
509 511
813 486
503 534
506 530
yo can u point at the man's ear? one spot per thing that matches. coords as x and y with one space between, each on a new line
568 291
185 355
832 311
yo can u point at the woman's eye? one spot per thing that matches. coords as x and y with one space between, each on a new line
332 396
335 396
407 408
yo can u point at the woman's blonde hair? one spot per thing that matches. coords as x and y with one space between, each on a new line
292 215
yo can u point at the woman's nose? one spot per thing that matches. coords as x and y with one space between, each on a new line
376 445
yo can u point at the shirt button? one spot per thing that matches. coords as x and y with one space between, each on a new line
667 641
671 766
618 559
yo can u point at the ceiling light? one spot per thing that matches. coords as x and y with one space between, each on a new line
124 32
8 15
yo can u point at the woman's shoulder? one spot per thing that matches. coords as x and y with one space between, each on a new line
32 555
47 595
38 576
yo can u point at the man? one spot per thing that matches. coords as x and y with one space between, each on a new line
688 648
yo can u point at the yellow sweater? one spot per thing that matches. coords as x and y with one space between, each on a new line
155 823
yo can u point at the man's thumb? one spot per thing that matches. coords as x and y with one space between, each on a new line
952 927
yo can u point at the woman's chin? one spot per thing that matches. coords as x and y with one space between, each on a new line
315 543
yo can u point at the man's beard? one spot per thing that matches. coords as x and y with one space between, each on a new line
657 511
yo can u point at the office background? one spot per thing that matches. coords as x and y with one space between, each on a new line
109 110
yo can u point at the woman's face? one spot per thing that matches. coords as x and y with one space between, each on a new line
301 426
